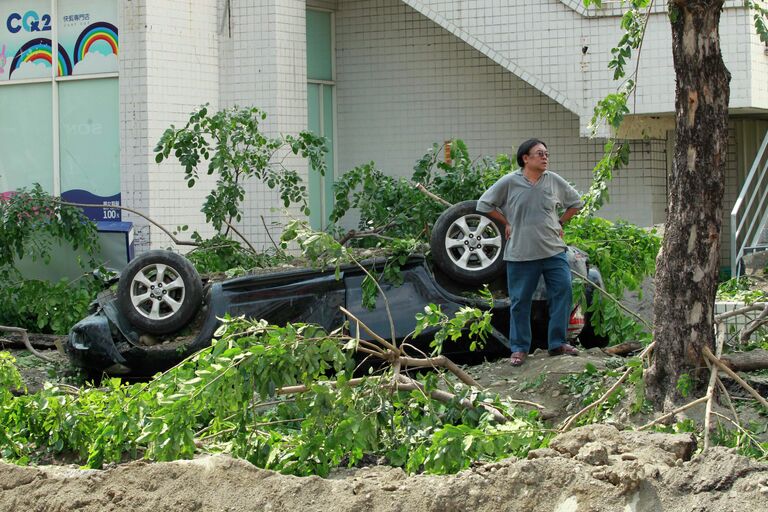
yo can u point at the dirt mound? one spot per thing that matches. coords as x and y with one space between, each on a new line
593 468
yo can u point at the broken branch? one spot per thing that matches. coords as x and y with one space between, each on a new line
135 212
421 188
27 344
754 325
708 353
569 423
676 411
614 299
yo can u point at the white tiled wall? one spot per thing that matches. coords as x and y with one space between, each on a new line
168 66
404 83
177 55
557 44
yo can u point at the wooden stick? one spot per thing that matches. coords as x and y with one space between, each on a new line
25 340
367 329
678 410
605 396
442 362
421 188
708 353
720 337
407 384
614 299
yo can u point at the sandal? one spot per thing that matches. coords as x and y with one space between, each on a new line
517 358
564 349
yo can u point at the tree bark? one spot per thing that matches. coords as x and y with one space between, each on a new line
747 361
689 261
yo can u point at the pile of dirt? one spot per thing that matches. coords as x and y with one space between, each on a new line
596 468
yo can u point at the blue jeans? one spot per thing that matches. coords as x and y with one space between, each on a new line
522 278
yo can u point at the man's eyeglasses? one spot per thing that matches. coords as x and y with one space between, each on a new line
541 154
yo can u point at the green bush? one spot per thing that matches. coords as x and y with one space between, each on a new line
33 223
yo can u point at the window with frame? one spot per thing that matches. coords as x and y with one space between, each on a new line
59 100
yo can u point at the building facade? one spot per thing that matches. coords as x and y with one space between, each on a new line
381 79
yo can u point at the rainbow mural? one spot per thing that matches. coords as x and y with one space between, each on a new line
101 31
40 49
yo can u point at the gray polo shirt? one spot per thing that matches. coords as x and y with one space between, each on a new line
532 212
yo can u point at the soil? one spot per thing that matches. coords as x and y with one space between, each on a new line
595 468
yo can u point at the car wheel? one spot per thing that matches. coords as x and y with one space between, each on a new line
468 245
159 292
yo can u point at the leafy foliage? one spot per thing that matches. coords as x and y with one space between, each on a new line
42 306
33 225
591 384
760 16
477 322
325 251
396 203
32 221
236 150
614 158
625 255
741 289
222 254
226 399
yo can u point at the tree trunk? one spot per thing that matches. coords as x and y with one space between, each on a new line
689 261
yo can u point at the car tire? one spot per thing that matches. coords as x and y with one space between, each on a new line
468 245
159 292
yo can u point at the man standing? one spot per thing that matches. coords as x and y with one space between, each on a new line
526 202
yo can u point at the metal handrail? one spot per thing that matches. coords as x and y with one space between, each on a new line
747 210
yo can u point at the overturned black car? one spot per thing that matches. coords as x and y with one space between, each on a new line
162 311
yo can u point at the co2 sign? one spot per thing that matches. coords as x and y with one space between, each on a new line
30 22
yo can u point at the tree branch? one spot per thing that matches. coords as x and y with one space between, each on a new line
136 212
25 340
421 188
708 353
678 410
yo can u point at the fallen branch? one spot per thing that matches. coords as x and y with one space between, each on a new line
743 431
720 337
709 355
352 234
135 212
421 188
754 325
570 421
27 344
264 223
241 237
676 411
442 362
728 397
407 384
756 359
741 311
367 329
623 349
614 299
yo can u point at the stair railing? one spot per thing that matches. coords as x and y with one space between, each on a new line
750 212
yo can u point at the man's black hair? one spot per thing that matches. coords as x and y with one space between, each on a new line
525 147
